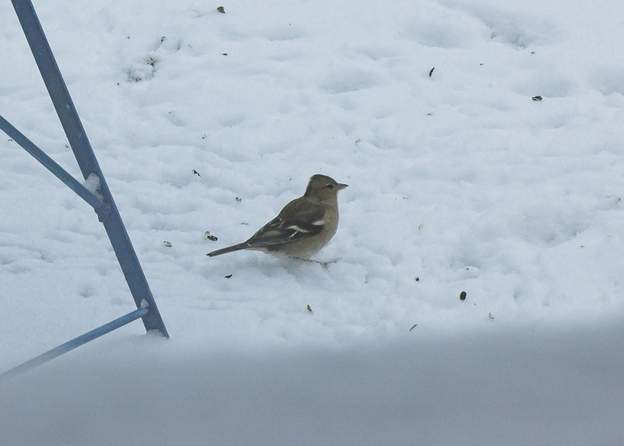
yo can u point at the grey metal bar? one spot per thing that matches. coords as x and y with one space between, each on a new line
87 161
76 342
50 164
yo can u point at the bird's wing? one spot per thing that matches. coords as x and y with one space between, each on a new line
298 220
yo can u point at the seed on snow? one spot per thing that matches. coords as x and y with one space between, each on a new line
209 236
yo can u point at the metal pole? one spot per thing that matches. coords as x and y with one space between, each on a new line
51 165
76 342
87 161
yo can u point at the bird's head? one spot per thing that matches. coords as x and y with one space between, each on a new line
323 188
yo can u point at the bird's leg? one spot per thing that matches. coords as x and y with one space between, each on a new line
323 264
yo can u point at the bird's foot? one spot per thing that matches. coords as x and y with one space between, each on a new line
323 264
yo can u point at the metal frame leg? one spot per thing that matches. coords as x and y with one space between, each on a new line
87 161
102 200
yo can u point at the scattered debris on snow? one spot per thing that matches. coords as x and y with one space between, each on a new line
209 236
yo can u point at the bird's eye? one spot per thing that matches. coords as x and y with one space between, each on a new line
330 186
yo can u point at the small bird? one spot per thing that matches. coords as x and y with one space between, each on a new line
303 226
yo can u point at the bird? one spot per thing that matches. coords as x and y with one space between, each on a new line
303 226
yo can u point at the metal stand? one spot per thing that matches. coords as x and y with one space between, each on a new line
101 201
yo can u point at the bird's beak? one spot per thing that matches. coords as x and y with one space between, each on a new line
341 186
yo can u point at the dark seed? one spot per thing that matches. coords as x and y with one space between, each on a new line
537 98
309 308
431 71
221 9
209 236
462 295
228 276
413 326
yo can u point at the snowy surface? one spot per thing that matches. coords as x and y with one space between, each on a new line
458 178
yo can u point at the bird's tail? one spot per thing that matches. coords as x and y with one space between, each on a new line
232 248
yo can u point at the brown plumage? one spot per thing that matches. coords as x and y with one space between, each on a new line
303 227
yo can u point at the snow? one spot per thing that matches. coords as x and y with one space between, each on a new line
208 123
92 183
488 388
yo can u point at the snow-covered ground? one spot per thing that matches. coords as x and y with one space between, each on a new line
460 180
